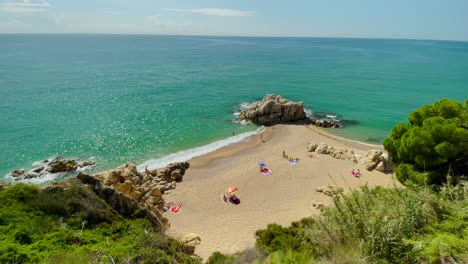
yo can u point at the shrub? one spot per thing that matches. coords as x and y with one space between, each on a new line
434 141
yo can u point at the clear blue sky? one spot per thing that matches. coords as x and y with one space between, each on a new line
415 19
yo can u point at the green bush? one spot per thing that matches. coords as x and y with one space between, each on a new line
276 237
435 141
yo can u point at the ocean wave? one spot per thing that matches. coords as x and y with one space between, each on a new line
236 111
185 155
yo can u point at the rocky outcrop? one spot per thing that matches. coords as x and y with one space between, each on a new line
337 153
324 123
125 189
311 147
273 109
376 159
54 166
191 240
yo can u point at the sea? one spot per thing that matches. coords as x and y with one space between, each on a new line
151 100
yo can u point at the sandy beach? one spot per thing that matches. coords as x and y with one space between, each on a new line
281 197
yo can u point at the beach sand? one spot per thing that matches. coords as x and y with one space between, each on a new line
281 197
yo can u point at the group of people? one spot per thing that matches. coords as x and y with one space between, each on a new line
356 173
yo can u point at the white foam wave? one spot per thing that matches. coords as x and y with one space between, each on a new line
185 155
244 105
308 112
331 116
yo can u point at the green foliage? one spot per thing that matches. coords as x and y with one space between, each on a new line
433 144
219 258
411 225
290 257
276 237
75 226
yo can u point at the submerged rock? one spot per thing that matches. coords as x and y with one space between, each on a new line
57 166
273 109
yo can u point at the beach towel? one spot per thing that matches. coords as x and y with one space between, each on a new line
266 172
293 162
175 209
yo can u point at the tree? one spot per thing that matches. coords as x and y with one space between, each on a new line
433 144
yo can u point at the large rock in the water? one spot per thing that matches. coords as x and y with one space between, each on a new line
273 109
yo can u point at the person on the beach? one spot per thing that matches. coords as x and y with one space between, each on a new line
176 207
284 155
358 173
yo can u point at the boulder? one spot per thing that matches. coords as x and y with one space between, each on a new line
311 147
62 166
191 239
322 148
273 109
17 173
324 123
380 166
372 159
87 179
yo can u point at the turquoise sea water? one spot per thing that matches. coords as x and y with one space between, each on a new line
136 98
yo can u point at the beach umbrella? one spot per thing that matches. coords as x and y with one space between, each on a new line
231 189
261 164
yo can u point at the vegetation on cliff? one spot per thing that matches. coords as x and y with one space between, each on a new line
432 145
73 225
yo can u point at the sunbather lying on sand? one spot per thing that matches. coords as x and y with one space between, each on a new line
174 207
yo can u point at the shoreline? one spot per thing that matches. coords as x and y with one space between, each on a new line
284 196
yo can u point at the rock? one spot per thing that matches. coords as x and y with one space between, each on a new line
87 163
273 109
17 173
311 147
372 158
329 190
38 170
324 123
2 187
380 166
322 148
191 239
62 166
176 174
87 179
124 188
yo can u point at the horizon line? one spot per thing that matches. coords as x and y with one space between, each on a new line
234 36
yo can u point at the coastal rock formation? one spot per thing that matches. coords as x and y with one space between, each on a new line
376 159
311 147
53 166
125 189
342 153
273 109
324 123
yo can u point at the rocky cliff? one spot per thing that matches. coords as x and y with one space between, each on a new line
129 191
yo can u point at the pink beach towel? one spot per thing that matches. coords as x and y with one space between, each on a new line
266 172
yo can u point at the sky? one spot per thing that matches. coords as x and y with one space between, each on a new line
407 19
